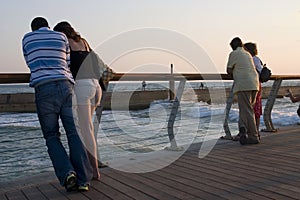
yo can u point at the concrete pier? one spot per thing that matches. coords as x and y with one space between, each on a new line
24 102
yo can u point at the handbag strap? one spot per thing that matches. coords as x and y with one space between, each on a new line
86 44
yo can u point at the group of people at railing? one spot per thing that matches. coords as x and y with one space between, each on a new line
55 59
246 68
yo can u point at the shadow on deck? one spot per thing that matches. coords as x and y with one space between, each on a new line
270 170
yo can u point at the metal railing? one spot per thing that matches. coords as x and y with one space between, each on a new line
24 78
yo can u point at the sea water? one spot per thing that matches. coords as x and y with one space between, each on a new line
23 151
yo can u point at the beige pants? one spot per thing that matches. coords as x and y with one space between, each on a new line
86 99
246 100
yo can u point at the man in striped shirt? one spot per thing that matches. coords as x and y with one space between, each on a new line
46 53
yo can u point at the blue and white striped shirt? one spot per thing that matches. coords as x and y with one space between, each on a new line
47 54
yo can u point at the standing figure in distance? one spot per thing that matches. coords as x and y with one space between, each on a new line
252 49
46 53
240 65
201 86
87 91
144 84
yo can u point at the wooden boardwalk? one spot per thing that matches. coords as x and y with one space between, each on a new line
270 170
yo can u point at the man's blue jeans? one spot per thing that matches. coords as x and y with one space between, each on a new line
53 101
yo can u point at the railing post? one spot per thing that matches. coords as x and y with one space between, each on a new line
173 114
269 106
227 111
171 86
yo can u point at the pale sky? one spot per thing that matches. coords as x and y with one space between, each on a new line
211 24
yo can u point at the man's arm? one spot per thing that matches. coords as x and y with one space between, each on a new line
230 64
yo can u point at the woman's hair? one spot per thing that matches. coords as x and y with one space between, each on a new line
251 48
68 30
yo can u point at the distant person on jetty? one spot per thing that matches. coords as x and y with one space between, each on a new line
87 91
240 66
144 85
252 49
201 86
294 99
47 54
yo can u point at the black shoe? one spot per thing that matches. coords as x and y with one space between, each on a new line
70 182
243 136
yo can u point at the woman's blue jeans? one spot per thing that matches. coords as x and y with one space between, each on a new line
53 101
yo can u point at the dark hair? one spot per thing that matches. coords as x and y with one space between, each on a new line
235 43
251 48
68 30
38 22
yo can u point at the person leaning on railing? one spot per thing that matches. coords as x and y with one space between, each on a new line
87 90
252 49
47 54
294 99
240 66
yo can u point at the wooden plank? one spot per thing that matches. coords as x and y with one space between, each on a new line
264 167
3 197
273 180
33 193
248 182
15 195
280 177
173 188
266 161
74 195
94 194
51 192
109 191
152 190
215 175
124 188
231 186
181 184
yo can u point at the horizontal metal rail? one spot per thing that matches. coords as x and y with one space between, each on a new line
24 77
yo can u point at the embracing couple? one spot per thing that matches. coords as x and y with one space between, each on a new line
54 58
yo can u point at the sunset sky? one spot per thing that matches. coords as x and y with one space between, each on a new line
273 24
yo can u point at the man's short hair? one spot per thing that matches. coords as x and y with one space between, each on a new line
38 22
236 42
